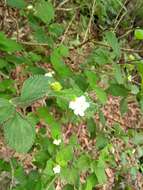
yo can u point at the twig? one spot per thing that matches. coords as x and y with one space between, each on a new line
62 3
90 20
123 7
67 29
121 18
105 45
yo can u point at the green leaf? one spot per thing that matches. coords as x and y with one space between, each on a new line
100 56
49 119
7 110
91 182
118 90
100 174
91 126
101 141
91 78
57 62
123 106
64 155
44 11
68 187
19 133
20 4
139 34
34 88
118 74
101 95
112 40
83 163
8 44
70 175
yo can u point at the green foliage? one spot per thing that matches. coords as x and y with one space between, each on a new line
44 11
55 83
19 133
139 34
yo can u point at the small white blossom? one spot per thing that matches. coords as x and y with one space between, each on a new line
50 74
79 105
30 7
57 142
57 169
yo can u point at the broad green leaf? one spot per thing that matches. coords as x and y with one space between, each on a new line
70 175
7 110
91 182
8 44
101 95
20 4
83 163
118 74
100 56
44 11
112 40
57 62
19 133
118 90
91 126
55 127
91 78
64 155
101 141
34 88
100 174
139 34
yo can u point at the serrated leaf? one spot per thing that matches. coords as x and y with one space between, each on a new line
19 133
34 88
8 44
44 11
6 110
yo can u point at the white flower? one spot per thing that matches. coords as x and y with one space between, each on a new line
50 74
30 7
57 142
57 169
79 105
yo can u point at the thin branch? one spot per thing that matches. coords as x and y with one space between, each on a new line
67 29
90 21
62 3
